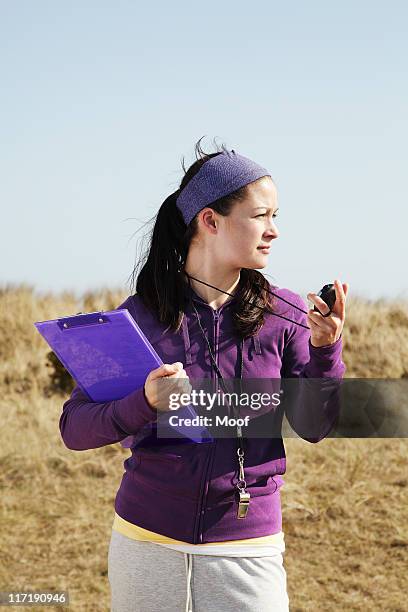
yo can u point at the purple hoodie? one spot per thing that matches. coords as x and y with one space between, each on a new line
186 490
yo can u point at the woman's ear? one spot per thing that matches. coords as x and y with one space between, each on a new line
208 219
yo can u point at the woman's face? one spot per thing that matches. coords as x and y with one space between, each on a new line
249 226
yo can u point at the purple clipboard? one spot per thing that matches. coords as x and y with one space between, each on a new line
108 356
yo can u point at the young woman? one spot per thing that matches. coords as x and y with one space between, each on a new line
198 526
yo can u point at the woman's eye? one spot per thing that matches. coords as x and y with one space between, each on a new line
264 215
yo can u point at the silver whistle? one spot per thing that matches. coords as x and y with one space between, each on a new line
243 504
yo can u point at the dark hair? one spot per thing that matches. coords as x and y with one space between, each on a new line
161 283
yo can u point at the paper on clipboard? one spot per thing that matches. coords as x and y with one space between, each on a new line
108 356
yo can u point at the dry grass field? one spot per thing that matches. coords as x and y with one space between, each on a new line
345 501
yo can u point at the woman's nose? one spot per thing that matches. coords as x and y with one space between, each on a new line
273 231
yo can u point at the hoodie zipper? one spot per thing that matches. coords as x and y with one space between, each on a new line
211 453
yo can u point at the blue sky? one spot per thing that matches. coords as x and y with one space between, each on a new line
101 100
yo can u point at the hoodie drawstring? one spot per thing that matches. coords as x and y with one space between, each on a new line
257 344
189 566
186 339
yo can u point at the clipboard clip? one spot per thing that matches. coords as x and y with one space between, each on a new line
82 319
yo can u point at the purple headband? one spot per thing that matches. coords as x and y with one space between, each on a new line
217 177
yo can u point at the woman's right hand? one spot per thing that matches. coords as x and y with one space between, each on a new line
161 382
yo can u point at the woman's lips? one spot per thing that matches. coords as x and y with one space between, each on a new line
264 249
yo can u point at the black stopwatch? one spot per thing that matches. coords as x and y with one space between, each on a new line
328 295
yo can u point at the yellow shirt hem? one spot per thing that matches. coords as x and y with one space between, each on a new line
139 533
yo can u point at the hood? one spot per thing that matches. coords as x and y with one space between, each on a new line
184 324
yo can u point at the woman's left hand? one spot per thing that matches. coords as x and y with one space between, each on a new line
327 330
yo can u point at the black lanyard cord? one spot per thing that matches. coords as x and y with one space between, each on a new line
219 375
260 307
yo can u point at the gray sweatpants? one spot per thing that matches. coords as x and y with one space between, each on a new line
147 577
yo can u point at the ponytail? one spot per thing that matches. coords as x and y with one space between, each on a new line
159 283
